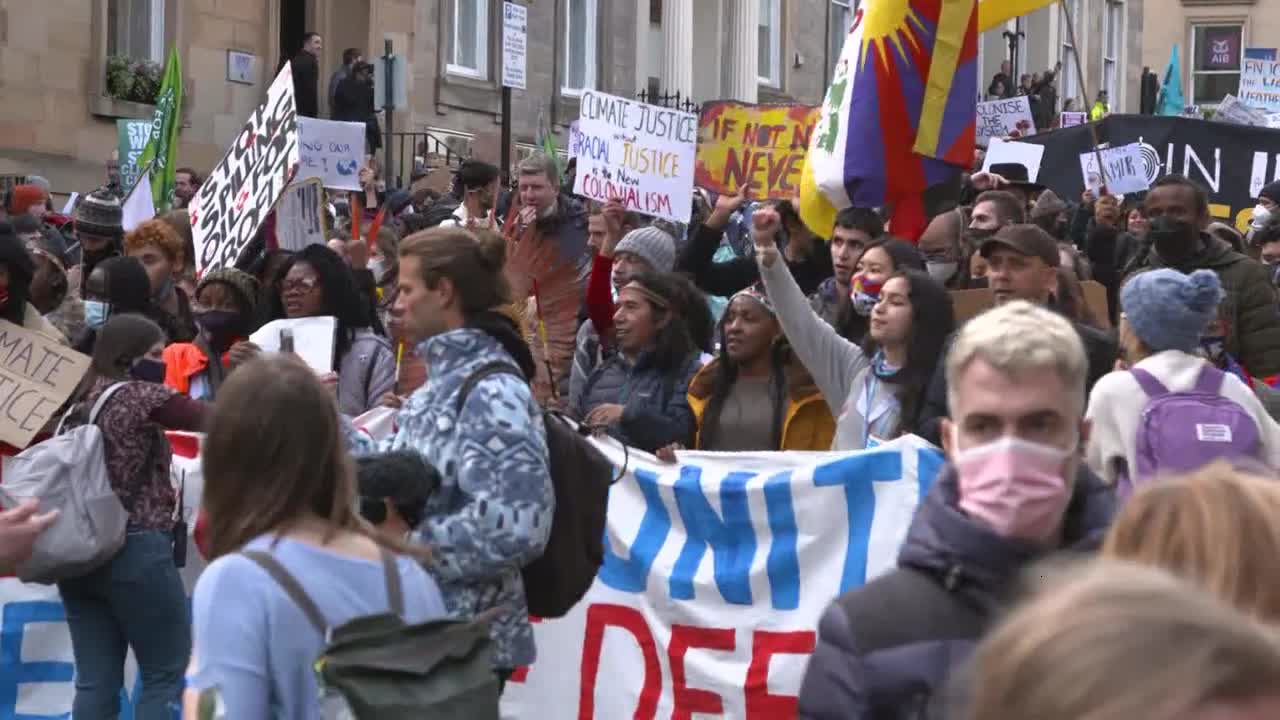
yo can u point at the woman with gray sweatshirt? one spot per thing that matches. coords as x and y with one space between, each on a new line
874 390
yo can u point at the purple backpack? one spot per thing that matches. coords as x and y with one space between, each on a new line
1184 431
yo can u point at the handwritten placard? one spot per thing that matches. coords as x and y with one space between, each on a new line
332 151
1011 151
762 146
641 154
1005 119
232 204
1071 119
1260 79
37 375
1125 170
300 218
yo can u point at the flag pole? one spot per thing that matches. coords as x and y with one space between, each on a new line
1075 56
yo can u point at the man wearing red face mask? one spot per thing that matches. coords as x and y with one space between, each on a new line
1014 492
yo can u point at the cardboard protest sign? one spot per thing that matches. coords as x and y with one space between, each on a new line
300 216
1005 118
1232 162
1260 79
332 151
1012 151
1124 170
1071 119
234 201
37 374
764 146
642 154
968 304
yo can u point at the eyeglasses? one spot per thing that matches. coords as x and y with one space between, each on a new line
299 286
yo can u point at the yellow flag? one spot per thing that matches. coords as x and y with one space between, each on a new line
994 12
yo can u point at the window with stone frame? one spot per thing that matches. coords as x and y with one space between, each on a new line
135 29
469 40
769 47
580 21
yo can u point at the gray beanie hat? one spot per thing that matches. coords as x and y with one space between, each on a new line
1169 310
652 245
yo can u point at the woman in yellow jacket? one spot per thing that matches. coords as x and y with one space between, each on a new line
756 395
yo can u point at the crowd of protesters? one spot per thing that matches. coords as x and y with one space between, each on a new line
741 330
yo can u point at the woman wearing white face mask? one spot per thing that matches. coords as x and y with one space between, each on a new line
1012 495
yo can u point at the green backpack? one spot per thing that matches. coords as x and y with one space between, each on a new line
378 666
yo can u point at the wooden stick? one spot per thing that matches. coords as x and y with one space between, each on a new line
1075 55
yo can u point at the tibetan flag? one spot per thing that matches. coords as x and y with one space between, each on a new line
162 148
994 12
899 116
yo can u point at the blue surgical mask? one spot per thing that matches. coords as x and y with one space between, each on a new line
164 290
95 313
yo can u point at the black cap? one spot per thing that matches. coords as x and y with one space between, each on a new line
1029 240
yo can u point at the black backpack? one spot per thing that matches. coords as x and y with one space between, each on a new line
581 476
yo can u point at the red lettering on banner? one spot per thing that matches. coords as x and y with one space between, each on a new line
689 700
600 617
760 704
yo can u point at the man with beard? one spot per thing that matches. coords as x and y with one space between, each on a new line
855 229
186 182
1178 210
477 186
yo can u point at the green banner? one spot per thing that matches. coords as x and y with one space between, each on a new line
131 140
162 147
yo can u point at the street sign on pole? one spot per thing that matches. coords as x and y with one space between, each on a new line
515 26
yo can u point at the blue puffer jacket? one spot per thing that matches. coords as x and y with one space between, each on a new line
492 513
656 410
885 650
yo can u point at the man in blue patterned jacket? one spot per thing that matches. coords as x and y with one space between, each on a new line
492 513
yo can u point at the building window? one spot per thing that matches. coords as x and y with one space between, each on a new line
580 46
841 18
1068 55
1112 42
1215 63
470 39
655 12
769 44
135 29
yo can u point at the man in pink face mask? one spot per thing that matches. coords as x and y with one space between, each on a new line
1014 491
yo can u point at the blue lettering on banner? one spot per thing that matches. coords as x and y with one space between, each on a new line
857 473
631 575
14 672
783 564
732 540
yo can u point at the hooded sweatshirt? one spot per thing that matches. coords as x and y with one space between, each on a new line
492 513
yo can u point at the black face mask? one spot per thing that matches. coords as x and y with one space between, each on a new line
222 326
1176 241
978 283
976 236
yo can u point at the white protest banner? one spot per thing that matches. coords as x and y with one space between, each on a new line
1260 79
313 339
300 216
1234 110
332 151
234 201
1012 151
37 374
515 28
1071 119
139 206
642 154
716 573
1005 118
1125 170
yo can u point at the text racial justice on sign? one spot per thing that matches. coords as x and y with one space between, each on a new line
37 374
641 154
758 146
234 201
